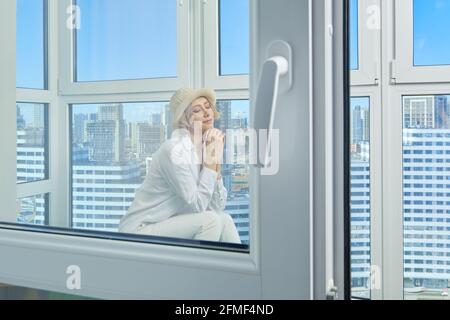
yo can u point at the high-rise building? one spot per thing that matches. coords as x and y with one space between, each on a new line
20 120
106 135
224 122
426 207
365 118
442 112
146 139
78 127
156 119
39 116
418 112
102 194
357 125
360 227
31 166
168 121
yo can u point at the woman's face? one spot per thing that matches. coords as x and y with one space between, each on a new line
203 112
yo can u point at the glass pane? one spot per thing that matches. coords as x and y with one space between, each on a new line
360 197
34 210
426 196
431 36
32 150
354 35
235 116
118 164
234 37
31 34
121 40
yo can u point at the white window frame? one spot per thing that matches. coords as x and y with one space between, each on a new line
403 69
66 45
54 186
125 265
368 46
211 54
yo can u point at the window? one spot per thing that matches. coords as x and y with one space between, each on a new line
354 35
364 37
421 46
119 138
31 44
143 45
431 40
426 121
234 37
116 141
227 60
34 210
365 132
360 200
32 142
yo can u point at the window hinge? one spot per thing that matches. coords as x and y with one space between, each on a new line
393 72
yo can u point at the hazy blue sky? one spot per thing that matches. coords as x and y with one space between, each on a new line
354 58
30 44
431 32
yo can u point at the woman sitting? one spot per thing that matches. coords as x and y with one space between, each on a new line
183 195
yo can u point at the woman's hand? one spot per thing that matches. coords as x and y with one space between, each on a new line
213 153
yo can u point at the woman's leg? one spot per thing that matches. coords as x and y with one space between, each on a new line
229 231
206 226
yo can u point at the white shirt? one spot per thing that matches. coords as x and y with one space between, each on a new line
175 185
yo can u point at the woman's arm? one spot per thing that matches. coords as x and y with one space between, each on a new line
220 196
176 170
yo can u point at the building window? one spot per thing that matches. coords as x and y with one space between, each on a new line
142 46
234 37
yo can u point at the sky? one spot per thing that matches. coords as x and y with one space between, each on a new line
431 32
354 58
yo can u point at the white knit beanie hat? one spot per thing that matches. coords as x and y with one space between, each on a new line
183 98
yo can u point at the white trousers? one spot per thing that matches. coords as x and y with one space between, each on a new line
206 226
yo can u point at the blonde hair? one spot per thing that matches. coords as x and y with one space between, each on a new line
184 122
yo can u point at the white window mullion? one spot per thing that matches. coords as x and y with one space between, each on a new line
392 238
8 118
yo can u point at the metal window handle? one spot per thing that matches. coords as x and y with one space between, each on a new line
276 77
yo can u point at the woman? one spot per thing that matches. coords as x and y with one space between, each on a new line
183 195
